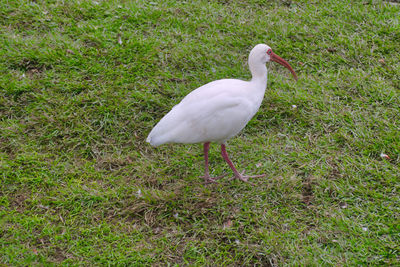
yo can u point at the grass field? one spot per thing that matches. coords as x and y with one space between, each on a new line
83 82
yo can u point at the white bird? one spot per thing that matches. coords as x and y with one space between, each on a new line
217 111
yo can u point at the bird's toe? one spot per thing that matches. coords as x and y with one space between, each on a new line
245 178
209 180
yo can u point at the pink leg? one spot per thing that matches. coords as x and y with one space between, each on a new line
207 177
206 149
237 175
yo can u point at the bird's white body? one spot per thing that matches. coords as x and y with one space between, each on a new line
213 112
216 111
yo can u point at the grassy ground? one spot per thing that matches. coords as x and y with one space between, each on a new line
83 82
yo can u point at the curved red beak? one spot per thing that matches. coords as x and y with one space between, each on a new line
276 58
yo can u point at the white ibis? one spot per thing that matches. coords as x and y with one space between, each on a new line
217 111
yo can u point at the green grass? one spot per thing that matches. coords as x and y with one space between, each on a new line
79 184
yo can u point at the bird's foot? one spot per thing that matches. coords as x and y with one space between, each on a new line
245 178
208 179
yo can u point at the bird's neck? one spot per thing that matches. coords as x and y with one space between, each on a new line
259 73
259 83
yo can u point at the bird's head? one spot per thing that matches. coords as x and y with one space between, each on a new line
263 53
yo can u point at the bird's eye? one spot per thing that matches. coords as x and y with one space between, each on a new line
269 52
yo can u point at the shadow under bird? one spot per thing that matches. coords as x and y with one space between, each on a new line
219 110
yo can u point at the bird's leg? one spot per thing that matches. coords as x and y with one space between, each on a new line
207 177
237 175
